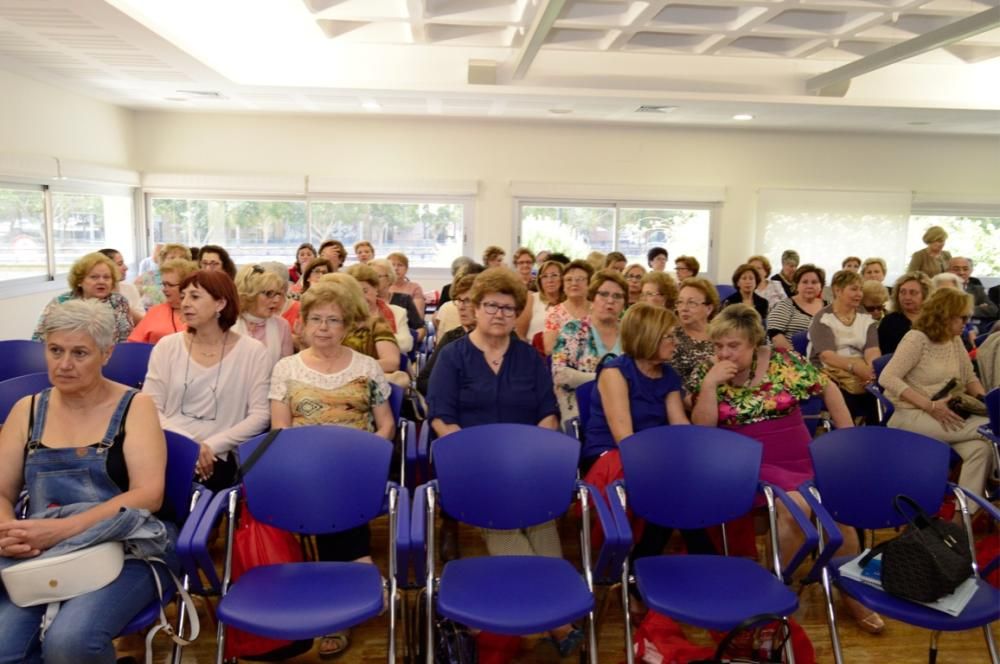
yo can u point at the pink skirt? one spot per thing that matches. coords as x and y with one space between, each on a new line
785 462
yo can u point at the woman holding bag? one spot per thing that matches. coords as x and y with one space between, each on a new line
47 446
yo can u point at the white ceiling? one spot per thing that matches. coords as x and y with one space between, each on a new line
598 61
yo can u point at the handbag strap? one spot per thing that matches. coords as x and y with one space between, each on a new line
747 624
922 521
245 467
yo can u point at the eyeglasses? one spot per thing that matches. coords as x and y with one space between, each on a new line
608 295
575 280
462 301
270 294
320 321
874 307
633 277
685 304
492 308
551 275
524 262
648 295
167 284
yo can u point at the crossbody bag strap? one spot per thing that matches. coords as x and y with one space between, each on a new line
245 467
187 606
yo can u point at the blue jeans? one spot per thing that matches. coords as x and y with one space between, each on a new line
83 628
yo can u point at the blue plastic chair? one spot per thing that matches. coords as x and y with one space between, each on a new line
21 357
800 342
694 477
187 501
884 406
508 476
724 291
406 437
13 390
859 472
313 479
128 364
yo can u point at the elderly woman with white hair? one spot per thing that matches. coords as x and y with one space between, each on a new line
94 448
262 299
94 277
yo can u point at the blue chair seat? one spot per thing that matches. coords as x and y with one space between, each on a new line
303 600
513 594
713 592
983 608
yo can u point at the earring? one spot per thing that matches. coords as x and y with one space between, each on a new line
218 314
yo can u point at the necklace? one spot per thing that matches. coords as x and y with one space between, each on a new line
847 320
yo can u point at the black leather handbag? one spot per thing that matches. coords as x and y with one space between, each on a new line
928 561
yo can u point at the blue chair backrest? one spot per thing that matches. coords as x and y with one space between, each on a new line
182 455
396 401
318 479
690 476
584 395
993 409
19 357
128 364
724 290
879 364
800 342
860 471
506 476
13 389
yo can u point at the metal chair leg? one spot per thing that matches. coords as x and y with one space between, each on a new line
933 650
831 618
991 645
629 654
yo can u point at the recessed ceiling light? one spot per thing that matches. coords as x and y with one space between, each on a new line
371 105
742 117
204 94
560 111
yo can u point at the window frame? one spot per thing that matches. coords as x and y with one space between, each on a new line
958 209
617 204
55 279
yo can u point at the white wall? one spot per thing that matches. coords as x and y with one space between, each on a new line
497 152
41 120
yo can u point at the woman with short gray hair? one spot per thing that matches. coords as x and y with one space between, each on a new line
53 433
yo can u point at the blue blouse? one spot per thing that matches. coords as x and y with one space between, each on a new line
464 390
647 403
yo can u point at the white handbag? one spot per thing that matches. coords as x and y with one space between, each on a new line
59 578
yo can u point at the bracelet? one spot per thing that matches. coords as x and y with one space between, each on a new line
850 366
933 406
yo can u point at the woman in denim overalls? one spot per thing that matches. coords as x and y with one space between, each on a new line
51 452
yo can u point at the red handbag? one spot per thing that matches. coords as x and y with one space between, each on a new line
256 544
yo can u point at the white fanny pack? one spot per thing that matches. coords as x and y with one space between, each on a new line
64 577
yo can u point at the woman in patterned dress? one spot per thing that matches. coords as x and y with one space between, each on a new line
330 384
755 390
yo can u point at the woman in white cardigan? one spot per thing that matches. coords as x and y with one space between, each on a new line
210 383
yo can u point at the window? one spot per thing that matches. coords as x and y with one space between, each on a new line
431 234
250 230
577 229
972 236
22 234
84 223
84 219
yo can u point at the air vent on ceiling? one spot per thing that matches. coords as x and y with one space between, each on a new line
653 108
202 94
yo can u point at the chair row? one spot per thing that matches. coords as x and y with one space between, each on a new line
127 365
325 479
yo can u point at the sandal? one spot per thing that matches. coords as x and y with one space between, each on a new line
569 643
866 619
333 645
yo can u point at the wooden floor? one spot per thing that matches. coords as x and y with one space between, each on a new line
898 644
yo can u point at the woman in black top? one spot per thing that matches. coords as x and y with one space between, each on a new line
908 295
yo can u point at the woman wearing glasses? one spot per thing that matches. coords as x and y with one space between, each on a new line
490 376
164 319
575 306
549 293
262 298
658 289
633 276
524 260
467 319
583 344
696 304
210 383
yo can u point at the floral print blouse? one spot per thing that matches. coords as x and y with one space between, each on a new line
790 379
575 357
119 307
